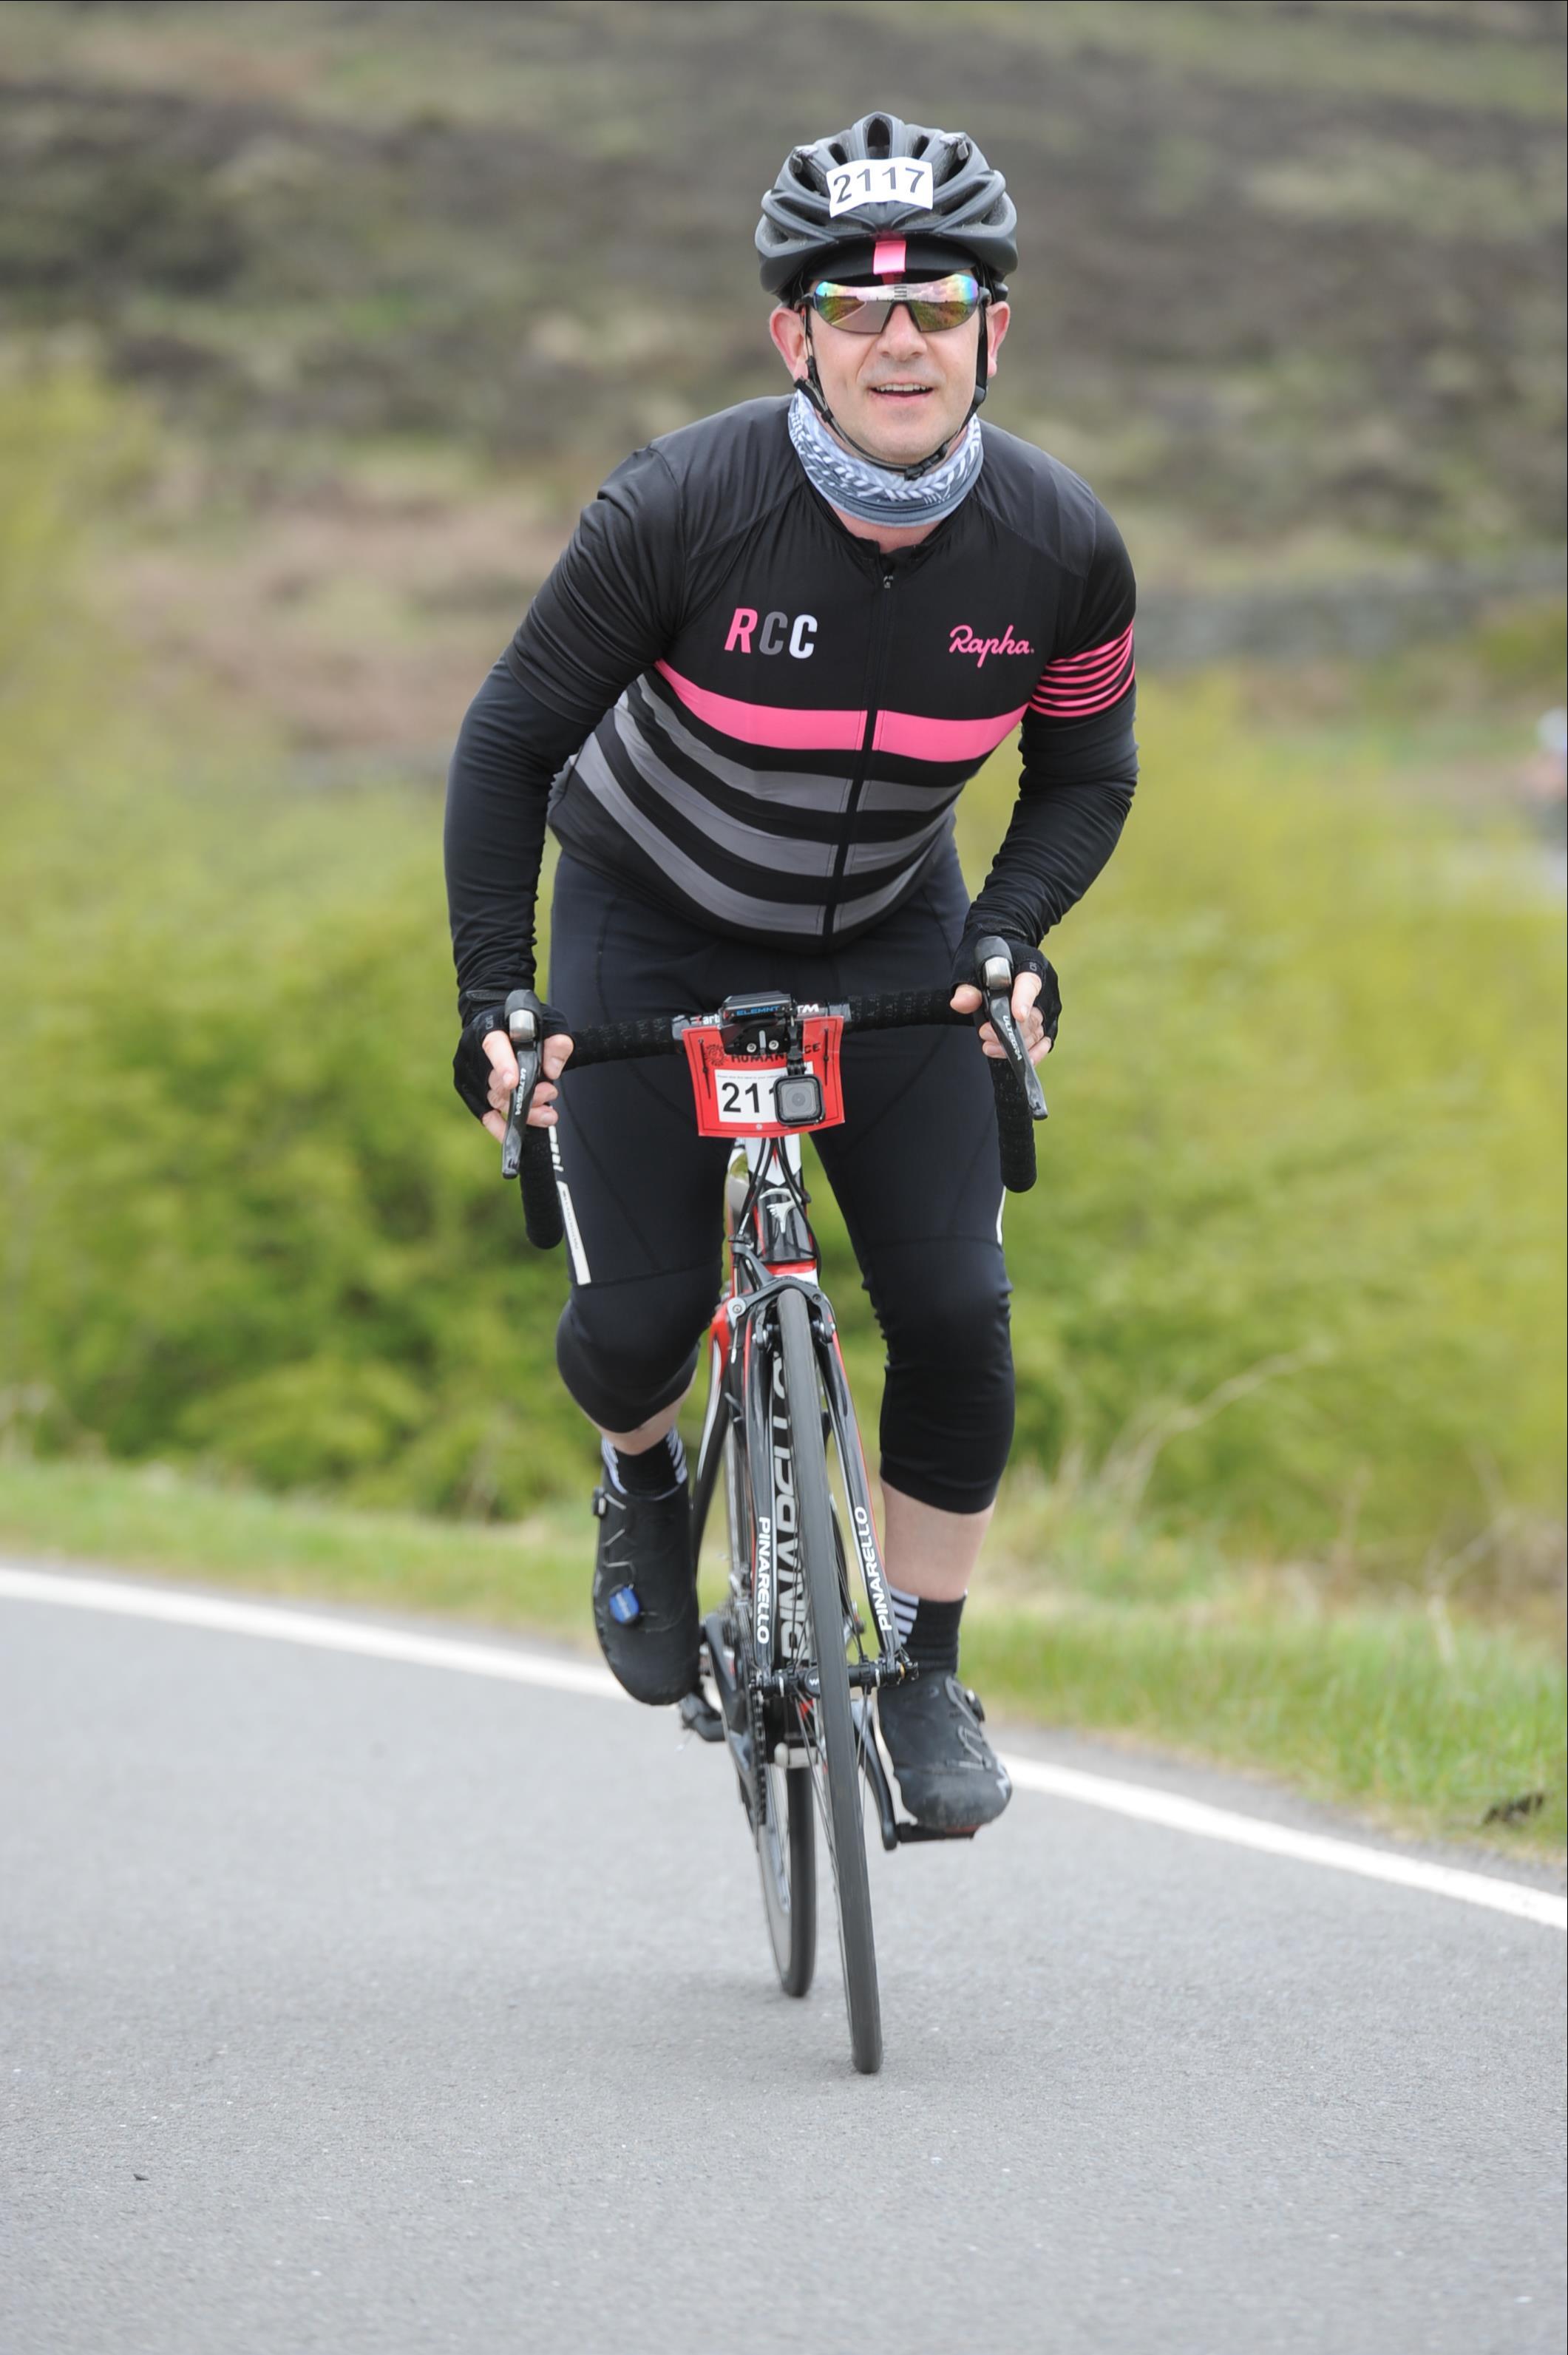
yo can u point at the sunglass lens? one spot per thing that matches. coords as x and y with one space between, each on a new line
848 307
936 305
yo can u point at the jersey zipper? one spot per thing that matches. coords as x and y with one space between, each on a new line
876 668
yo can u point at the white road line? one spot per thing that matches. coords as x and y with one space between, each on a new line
284 1626
1195 1815
1145 1804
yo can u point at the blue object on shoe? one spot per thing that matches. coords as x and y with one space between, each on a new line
624 1606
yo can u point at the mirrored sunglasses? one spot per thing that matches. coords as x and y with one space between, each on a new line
934 304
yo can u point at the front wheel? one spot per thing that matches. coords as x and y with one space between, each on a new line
824 1726
778 1797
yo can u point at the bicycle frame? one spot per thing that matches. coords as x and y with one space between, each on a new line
771 1245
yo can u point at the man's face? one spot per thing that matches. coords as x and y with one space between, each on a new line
900 394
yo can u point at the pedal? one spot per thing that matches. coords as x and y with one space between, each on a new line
698 1716
907 1835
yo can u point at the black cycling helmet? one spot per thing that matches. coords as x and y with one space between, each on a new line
814 210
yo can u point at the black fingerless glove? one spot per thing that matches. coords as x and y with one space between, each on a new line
471 1067
1026 958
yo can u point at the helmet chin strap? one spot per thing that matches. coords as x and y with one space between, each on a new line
811 384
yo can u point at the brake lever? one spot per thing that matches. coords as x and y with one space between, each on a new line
997 988
527 1045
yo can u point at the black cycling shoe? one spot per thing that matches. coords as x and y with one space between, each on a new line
949 1777
644 1594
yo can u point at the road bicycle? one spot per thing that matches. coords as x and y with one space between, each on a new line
792 1660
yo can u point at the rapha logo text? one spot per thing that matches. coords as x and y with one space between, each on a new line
963 641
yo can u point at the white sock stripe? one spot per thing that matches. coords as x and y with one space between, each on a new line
673 1447
904 1608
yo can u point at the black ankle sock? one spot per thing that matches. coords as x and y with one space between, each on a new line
929 1630
659 1471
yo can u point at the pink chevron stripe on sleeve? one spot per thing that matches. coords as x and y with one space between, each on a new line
1075 686
1096 664
1092 655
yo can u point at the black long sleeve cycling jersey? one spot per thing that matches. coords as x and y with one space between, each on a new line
726 702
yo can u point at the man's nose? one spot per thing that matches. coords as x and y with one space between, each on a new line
901 337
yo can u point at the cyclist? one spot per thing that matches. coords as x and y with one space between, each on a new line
747 697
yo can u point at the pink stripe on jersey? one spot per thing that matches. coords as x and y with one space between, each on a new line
769 723
1094 658
888 260
914 738
1077 686
1093 664
907 734
1078 707
1086 683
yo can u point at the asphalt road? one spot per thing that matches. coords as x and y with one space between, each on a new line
357 2006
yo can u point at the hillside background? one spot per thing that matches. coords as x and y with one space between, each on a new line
317 323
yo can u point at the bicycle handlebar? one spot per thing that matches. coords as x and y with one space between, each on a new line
627 1042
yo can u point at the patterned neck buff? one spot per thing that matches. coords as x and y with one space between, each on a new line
871 493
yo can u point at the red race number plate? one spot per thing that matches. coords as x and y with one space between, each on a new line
735 1093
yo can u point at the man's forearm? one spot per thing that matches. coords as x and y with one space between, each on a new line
1073 797
508 752
1056 845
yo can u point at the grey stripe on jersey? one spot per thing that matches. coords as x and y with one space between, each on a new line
828 796
794 787
882 794
871 903
751 843
705 891
757 844
874 857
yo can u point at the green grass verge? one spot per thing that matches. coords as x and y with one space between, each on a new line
1421 1722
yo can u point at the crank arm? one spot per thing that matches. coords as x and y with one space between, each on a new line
876 1774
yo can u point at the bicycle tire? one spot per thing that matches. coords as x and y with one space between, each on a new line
829 1729
786 1862
779 1804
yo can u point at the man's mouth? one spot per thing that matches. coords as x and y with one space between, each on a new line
902 391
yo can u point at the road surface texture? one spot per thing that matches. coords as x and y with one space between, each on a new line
356 2005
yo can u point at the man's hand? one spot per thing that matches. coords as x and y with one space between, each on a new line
968 999
504 1079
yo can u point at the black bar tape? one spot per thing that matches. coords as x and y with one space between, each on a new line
541 1203
1014 1130
909 1009
621 1042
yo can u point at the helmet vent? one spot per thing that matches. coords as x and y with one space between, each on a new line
879 136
